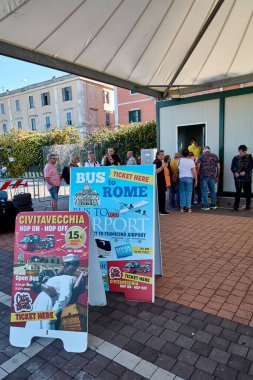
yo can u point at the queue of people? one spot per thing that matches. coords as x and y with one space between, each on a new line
193 174
183 181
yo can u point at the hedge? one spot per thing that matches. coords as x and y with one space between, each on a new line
26 147
129 137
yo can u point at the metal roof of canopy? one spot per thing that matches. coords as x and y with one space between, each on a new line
159 47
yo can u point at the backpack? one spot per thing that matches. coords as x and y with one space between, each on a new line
95 163
65 174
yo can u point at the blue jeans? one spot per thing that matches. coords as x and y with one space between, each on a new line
208 184
185 191
174 195
54 192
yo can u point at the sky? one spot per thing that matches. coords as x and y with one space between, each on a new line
16 74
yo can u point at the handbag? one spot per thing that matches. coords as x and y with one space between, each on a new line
175 175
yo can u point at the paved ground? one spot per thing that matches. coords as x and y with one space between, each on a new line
198 328
208 262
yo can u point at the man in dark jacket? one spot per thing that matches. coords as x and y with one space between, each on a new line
161 183
242 169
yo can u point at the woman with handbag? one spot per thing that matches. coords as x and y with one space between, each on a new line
187 174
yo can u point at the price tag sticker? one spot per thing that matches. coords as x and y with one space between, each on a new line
75 237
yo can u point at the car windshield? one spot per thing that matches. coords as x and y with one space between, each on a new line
129 265
25 239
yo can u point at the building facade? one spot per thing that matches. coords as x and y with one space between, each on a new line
68 100
133 107
222 120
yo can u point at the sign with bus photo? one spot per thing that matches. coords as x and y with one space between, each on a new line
50 278
121 202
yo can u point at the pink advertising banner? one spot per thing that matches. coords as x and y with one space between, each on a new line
50 277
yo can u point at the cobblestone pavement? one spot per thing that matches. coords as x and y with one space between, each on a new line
131 340
205 255
208 262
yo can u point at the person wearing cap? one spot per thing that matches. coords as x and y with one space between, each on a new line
208 168
241 168
56 292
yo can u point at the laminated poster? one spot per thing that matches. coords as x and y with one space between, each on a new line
121 203
50 277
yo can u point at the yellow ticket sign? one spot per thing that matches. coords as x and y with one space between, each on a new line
131 176
33 316
136 277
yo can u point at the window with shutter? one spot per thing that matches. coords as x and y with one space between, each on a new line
66 94
17 104
33 124
47 121
69 118
45 99
134 116
31 101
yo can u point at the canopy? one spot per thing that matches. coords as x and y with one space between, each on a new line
158 47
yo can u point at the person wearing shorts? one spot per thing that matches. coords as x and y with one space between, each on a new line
52 179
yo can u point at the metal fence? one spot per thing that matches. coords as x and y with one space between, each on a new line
34 185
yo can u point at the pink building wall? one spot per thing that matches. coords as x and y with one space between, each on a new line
127 102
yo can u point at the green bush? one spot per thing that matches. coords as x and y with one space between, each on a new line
26 147
128 137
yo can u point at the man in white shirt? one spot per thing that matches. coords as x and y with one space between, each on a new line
91 161
63 284
130 158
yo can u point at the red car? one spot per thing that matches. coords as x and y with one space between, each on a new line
33 242
136 267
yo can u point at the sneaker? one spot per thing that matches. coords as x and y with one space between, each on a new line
248 207
213 207
234 209
164 213
182 209
205 208
189 210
